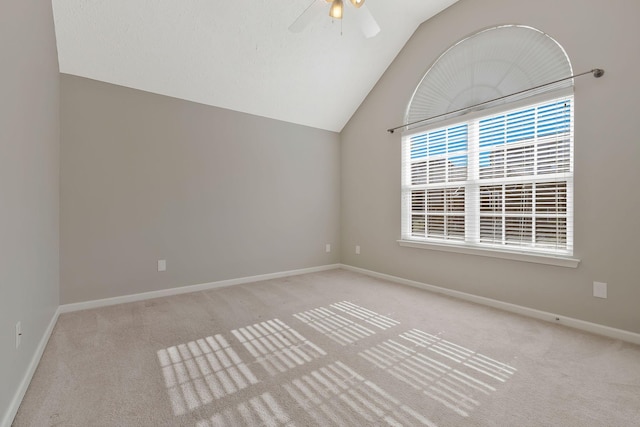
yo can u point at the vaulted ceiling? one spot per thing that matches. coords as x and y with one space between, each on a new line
239 55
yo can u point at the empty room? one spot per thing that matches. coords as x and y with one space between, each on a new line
319 213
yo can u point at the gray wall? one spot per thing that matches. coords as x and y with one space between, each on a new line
607 200
29 184
218 194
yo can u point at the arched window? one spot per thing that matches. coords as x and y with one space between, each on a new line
498 176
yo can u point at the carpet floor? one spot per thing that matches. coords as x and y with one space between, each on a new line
334 348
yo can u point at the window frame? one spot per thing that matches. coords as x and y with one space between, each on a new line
562 258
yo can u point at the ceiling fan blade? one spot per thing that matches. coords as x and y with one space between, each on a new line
309 14
368 24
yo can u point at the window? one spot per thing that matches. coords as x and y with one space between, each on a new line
499 181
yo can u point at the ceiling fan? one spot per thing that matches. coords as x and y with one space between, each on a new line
363 17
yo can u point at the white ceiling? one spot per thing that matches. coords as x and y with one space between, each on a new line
238 54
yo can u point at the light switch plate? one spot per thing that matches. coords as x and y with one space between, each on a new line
162 265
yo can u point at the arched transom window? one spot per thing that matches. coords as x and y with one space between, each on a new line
496 176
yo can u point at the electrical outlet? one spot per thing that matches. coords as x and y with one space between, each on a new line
18 334
162 265
357 249
327 248
599 290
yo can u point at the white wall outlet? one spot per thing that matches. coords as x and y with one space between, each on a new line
18 334
327 247
162 265
599 289
357 249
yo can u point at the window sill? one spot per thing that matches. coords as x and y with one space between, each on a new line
558 261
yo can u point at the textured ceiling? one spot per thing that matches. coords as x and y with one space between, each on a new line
239 54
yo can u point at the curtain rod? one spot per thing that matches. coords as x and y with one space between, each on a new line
597 72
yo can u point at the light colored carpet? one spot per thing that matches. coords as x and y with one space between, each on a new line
332 348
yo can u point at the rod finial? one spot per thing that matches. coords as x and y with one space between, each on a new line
391 130
598 72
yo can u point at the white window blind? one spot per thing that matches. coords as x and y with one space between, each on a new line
503 180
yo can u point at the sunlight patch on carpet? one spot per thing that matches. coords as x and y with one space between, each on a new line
337 395
263 410
483 364
200 371
333 325
371 317
276 346
452 375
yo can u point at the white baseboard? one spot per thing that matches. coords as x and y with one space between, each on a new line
595 328
67 308
31 369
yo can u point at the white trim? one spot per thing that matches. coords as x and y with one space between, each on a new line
558 261
85 305
582 325
12 410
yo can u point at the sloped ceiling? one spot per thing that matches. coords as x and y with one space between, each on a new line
239 54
